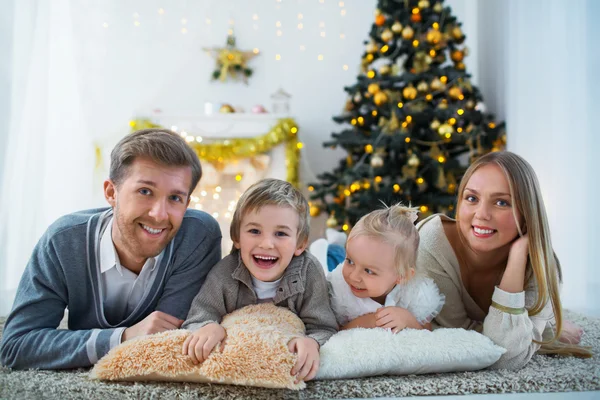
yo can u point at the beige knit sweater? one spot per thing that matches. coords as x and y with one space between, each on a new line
509 329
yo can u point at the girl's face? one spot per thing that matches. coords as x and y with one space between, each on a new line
370 269
485 210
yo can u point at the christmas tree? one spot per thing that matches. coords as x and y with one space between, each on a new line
414 120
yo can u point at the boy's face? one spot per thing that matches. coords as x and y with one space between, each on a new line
268 241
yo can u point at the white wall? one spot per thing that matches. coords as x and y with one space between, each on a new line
126 70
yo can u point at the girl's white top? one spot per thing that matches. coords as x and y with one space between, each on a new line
420 296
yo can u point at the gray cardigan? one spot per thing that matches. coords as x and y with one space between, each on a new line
63 272
303 290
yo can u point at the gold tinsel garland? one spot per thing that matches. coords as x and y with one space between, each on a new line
222 151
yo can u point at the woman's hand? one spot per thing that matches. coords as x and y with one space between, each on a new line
571 333
513 280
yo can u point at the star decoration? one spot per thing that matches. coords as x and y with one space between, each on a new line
230 61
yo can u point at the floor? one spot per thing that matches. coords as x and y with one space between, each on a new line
520 396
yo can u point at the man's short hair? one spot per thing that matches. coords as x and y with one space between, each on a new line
161 145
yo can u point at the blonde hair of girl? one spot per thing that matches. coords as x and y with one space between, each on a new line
542 264
394 225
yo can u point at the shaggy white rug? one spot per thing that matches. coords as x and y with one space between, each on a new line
542 374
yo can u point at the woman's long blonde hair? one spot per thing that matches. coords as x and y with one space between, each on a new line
542 263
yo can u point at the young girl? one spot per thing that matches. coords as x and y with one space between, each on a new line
376 286
495 262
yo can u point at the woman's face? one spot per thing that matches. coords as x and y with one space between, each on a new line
485 210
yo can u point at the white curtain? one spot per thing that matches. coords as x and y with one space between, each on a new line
536 64
47 163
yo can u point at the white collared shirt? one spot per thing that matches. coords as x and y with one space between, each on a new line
122 290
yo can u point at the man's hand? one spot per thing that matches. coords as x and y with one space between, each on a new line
201 342
156 322
307 364
396 318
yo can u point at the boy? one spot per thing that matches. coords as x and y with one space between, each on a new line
267 264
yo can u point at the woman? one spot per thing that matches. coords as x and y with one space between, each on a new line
497 256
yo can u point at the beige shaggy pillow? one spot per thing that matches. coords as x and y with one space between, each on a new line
255 353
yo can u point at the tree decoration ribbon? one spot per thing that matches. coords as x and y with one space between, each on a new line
221 151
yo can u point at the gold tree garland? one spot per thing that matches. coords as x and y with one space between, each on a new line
221 151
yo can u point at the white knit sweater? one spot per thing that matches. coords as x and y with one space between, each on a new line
514 332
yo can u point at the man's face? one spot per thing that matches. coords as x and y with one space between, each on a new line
148 205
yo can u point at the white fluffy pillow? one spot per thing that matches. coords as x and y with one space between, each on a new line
367 352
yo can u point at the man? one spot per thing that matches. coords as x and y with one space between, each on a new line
129 270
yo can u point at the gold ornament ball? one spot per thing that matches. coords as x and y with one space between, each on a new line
315 211
455 92
226 109
385 69
371 47
470 104
438 8
423 4
409 92
457 33
461 66
422 86
434 36
436 84
380 98
445 129
332 222
457 56
376 161
416 17
387 35
373 88
397 27
377 12
357 97
443 104
414 161
349 105
435 124
408 33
